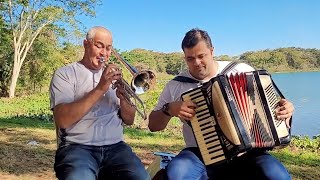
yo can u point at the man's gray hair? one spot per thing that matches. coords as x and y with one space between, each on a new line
92 32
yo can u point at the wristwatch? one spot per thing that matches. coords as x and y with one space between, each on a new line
165 109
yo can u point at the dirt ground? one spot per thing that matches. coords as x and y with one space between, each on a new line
28 154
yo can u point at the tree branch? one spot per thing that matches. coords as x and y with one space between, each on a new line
11 18
28 43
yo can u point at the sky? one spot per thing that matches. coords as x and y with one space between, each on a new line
235 26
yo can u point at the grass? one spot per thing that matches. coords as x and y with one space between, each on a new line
28 119
301 164
20 160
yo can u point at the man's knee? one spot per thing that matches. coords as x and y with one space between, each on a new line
76 173
271 168
176 165
186 168
140 174
278 172
134 174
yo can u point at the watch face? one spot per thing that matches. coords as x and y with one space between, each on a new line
165 109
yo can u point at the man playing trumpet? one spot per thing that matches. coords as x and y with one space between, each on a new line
89 114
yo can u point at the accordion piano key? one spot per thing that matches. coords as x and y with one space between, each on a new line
203 126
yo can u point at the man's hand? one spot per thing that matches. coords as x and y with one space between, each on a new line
110 73
285 111
121 93
158 120
182 109
126 109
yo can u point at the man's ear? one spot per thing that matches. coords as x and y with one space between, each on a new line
85 43
185 58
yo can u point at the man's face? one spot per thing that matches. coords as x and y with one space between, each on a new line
98 47
200 61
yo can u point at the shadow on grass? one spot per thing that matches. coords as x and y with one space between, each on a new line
24 136
25 122
136 133
25 159
16 132
156 147
303 172
19 158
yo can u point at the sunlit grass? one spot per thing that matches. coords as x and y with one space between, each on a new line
301 164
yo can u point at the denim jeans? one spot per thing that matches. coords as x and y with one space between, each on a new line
188 165
82 162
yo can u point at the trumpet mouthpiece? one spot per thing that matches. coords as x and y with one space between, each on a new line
102 59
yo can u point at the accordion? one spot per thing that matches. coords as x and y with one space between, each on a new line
236 114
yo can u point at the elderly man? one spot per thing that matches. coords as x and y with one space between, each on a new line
89 115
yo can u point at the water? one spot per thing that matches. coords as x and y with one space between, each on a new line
303 90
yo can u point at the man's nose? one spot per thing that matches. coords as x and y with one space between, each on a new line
197 61
103 52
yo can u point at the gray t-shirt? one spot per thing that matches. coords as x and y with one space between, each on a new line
101 125
173 90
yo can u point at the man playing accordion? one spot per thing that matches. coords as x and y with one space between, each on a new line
188 164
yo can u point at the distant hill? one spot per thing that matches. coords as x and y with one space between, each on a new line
276 60
284 59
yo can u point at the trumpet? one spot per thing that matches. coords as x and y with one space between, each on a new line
141 82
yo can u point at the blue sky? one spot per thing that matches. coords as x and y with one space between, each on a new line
235 26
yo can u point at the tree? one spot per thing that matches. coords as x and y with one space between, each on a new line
6 55
174 63
43 58
27 19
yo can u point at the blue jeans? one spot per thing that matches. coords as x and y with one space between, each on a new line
188 165
117 161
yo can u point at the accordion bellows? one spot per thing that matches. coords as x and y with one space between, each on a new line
236 114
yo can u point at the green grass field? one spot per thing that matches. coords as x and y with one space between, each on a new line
28 119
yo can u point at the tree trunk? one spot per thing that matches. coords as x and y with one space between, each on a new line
14 79
15 75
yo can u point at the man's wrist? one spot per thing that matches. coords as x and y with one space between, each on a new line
165 109
119 113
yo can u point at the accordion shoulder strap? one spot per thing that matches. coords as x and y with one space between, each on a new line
229 67
225 70
185 79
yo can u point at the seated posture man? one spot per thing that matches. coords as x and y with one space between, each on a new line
89 115
188 164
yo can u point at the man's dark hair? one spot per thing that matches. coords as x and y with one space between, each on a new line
194 36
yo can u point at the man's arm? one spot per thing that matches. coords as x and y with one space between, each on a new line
66 114
127 112
158 120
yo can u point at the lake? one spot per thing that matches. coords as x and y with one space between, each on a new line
303 90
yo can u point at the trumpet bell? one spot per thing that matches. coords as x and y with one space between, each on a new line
143 81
